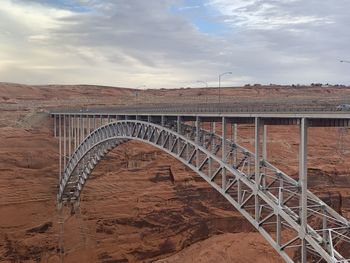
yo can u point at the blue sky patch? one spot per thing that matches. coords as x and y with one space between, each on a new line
209 27
68 5
201 15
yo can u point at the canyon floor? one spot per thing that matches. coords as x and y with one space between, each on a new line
141 205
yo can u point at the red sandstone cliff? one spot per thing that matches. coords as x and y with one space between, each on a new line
141 205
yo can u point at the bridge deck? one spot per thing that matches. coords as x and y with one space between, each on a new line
320 117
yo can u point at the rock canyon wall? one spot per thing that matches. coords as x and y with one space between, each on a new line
140 204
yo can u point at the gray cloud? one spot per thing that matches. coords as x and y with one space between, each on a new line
133 42
292 41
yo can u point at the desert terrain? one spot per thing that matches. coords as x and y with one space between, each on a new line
141 205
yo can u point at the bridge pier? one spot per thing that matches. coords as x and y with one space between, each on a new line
278 217
303 185
60 146
258 124
223 148
64 141
264 144
69 135
234 131
264 157
197 140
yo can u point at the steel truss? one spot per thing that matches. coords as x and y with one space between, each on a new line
297 224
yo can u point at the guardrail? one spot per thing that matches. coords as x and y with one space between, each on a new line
211 108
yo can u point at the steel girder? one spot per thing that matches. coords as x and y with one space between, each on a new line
271 202
324 224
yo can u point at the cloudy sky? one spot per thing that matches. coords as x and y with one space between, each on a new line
174 43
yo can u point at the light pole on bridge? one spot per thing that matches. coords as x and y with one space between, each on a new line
137 92
204 82
225 73
206 85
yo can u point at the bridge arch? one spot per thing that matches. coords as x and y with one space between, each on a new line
259 203
107 137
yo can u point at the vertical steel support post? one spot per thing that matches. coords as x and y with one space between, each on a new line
179 124
150 120
54 126
235 129
170 140
214 138
84 128
223 152
179 132
234 139
75 132
88 131
78 130
325 231
303 185
162 123
60 146
64 142
211 147
264 151
278 217
82 134
197 140
89 125
257 167
69 135
264 155
224 136
212 131
210 169
239 191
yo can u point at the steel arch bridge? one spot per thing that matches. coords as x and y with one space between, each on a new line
296 223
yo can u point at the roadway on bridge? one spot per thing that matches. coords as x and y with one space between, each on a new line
227 110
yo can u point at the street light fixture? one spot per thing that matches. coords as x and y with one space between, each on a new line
204 82
345 61
225 73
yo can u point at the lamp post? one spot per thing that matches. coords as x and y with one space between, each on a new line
137 92
225 73
345 61
206 84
